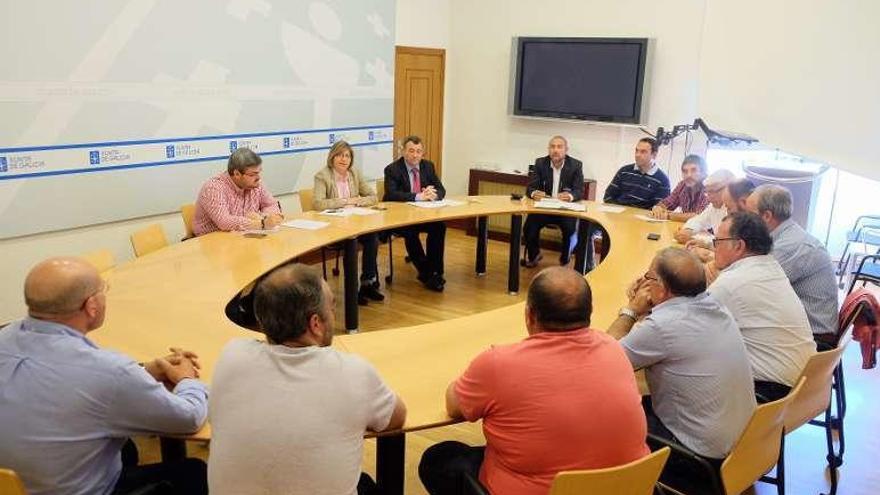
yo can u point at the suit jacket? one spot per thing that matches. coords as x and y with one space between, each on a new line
397 186
572 177
327 196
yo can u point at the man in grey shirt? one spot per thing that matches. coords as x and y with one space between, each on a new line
695 361
803 259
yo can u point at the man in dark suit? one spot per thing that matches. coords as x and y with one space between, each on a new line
411 178
559 176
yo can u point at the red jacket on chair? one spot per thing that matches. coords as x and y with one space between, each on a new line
866 330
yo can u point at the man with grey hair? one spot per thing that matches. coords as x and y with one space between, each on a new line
236 199
803 259
706 222
556 176
695 361
289 414
68 407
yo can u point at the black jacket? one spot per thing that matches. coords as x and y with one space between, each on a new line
572 177
397 186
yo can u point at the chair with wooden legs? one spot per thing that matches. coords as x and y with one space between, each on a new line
638 477
755 453
148 240
188 213
635 478
101 259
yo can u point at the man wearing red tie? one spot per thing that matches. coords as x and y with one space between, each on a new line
411 178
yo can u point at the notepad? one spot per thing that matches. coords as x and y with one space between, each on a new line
347 212
305 224
610 208
650 219
435 204
555 204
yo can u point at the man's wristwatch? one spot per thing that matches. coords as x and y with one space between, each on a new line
624 311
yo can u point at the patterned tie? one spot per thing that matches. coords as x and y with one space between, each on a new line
416 184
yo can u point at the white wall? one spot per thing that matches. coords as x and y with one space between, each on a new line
423 23
481 129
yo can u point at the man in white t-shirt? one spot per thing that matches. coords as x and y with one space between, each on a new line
757 293
288 415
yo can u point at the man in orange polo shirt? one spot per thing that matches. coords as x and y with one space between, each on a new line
564 398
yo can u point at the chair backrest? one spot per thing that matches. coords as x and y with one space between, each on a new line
306 196
10 483
380 189
636 478
815 396
148 239
757 449
188 212
101 259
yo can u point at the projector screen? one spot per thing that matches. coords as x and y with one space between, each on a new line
122 109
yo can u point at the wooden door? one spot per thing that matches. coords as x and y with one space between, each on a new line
418 98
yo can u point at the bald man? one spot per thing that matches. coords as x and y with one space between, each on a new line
695 361
564 398
67 407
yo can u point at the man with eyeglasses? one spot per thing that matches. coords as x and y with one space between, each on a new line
770 315
694 358
706 222
236 199
68 407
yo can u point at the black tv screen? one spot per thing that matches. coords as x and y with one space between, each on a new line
581 78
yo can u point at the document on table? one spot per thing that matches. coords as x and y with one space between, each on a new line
259 232
610 208
555 204
305 224
347 212
436 204
649 218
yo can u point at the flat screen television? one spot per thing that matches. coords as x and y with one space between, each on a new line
598 79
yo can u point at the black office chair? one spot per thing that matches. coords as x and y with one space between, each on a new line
865 231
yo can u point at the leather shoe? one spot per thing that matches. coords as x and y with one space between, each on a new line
435 283
370 292
362 298
534 262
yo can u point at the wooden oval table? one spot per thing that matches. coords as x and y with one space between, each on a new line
177 296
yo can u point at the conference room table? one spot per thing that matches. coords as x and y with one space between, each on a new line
177 297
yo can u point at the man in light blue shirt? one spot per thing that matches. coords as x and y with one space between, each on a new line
695 361
803 259
68 407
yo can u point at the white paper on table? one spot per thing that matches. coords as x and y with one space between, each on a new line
260 231
650 219
305 224
555 204
611 208
435 204
347 212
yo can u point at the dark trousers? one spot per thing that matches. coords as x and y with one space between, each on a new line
369 268
431 262
532 233
366 485
184 477
680 472
444 465
769 391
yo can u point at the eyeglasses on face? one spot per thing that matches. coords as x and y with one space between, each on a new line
719 239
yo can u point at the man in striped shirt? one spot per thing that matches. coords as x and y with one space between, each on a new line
641 184
802 257
235 199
